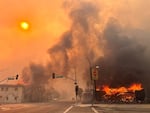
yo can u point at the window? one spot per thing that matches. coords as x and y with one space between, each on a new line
6 89
15 98
6 98
16 89
2 89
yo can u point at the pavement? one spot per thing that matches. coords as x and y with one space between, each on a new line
118 108
70 107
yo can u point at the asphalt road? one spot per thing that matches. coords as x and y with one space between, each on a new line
123 108
51 107
70 107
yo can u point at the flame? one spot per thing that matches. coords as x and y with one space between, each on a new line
135 87
112 91
121 94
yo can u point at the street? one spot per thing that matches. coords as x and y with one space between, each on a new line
70 107
52 107
123 108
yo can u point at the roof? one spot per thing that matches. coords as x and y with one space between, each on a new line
10 85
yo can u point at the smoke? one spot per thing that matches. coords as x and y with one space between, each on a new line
124 58
121 54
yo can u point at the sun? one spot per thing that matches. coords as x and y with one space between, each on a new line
24 25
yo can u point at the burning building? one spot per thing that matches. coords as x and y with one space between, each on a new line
134 93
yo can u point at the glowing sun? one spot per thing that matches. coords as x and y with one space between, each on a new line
24 25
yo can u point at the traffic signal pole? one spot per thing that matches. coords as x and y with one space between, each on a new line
94 91
11 78
94 74
54 76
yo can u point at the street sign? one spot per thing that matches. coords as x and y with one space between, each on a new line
10 78
56 76
94 74
59 76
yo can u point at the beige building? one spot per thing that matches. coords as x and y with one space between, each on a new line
11 94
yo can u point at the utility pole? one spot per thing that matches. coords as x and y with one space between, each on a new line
76 85
94 71
92 82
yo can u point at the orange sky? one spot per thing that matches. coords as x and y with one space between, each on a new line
18 47
48 21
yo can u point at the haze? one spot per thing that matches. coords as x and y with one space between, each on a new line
49 20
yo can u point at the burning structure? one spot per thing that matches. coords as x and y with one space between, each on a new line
134 93
95 39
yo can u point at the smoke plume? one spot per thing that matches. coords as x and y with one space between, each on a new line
121 54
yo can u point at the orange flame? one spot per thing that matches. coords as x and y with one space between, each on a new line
135 87
112 91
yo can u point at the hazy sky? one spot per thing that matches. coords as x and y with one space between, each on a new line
48 20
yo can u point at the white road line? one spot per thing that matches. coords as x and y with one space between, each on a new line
68 109
95 111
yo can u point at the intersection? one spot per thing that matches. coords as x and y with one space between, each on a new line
71 107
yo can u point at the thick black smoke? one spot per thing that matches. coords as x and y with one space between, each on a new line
125 61
122 58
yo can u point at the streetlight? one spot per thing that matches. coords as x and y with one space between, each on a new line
97 66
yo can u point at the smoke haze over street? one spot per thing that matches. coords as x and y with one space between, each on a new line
111 34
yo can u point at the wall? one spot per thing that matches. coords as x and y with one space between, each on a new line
11 94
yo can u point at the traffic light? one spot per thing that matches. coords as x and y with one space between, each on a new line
75 83
17 77
94 74
53 75
76 89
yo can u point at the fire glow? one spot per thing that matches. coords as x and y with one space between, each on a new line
112 91
122 94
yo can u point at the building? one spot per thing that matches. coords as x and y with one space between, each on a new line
11 94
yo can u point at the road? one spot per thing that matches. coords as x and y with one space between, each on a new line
51 107
70 107
123 108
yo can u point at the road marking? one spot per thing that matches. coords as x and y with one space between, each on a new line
95 111
68 109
